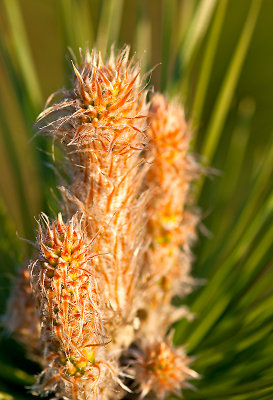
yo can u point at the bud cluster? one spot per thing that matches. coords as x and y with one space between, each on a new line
104 279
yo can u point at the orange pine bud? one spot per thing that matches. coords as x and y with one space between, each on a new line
171 226
72 328
161 369
102 122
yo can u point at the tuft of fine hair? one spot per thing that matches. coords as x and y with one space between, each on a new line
73 337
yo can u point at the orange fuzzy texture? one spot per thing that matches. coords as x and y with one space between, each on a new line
105 108
102 122
171 227
160 370
68 302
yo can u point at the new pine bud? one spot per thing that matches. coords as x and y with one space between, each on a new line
72 330
160 370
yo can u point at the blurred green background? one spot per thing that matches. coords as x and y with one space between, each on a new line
216 57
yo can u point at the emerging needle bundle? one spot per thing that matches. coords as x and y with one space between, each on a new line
104 279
